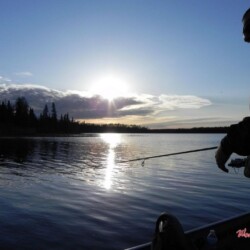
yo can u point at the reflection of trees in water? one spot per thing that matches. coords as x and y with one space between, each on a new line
59 154
23 150
18 150
47 149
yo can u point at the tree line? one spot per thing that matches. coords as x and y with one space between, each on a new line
20 118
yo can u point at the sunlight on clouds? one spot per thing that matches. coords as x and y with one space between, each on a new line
79 93
144 109
182 102
144 101
168 102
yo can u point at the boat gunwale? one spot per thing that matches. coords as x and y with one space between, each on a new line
198 231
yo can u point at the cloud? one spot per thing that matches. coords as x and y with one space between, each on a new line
182 102
81 105
188 122
4 80
160 105
24 74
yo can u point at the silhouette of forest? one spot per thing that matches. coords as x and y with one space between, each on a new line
21 119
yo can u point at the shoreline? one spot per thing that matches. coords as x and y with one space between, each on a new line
149 131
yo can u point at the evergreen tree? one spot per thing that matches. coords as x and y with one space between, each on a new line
53 112
21 114
44 119
32 118
45 114
54 122
10 113
2 112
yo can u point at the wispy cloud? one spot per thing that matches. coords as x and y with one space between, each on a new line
24 74
172 102
81 105
4 79
164 103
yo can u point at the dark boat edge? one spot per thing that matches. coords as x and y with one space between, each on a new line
226 229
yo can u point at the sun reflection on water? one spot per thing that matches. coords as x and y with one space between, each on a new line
112 140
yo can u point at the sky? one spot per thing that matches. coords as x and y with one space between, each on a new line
155 63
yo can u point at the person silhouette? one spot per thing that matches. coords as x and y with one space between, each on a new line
237 139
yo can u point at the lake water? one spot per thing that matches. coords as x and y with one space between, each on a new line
69 193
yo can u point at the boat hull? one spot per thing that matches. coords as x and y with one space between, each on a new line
232 233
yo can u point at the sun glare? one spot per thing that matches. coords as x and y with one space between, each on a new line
112 141
110 87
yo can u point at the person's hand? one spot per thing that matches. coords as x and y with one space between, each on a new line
221 159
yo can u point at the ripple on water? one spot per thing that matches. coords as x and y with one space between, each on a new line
68 193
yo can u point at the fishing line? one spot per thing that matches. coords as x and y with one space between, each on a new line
165 155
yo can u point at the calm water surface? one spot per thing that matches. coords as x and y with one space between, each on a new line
69 193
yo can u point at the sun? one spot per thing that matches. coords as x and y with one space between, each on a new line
110 87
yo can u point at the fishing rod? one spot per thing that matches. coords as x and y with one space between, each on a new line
165 155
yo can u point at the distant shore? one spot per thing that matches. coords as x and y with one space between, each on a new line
115 129
202 130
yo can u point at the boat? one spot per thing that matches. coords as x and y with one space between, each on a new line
232 233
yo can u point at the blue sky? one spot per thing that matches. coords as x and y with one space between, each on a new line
184 63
